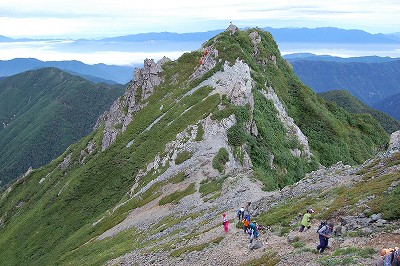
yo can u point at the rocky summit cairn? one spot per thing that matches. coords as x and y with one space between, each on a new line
232 28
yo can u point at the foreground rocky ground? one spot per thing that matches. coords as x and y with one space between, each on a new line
198 238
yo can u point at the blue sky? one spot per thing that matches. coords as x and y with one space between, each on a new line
104 18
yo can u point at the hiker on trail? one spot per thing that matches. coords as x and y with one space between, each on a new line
253 233
246 226
396 257
240 214
225 222
324 234
306 221
389 257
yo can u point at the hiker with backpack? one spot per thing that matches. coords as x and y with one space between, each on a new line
325 232
225 222
253 233
396 257
389 257
246 222
306 221
246 225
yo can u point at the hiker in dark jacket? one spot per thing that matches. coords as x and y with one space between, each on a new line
324 234
240 213
396 257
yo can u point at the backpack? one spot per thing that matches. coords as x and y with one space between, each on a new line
396 257
246 223
322 224
253 226
387 259
255 233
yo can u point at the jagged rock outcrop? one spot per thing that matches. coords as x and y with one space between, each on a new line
66 162
119 116
394 143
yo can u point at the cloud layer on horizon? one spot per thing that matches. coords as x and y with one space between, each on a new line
103 18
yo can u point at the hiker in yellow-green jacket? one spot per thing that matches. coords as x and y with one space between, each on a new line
306 221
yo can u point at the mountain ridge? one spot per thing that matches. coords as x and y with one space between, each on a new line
369 82
119 74
186 142
42 112
318 34
344 99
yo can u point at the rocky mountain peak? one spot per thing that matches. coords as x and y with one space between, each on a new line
141 87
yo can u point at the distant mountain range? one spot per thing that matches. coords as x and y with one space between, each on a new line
321 34
361 59
369 82
42 112
110 74
329 35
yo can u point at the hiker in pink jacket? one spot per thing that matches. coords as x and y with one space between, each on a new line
225 222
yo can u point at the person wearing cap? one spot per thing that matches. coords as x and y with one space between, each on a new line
324 234
306 221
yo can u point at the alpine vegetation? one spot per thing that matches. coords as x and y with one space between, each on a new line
226 125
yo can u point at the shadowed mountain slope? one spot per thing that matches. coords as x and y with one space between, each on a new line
42 112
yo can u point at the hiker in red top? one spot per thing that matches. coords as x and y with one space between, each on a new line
225 221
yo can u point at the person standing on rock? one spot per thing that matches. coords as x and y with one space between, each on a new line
225 222
306 221
324 234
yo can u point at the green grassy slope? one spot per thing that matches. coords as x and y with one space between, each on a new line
46 110
48 222
351 104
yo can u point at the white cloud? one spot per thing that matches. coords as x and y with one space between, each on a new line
99 18
47 51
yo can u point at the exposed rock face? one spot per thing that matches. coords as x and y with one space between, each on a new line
147 77
235 82
394 143
207 62
256 40
232 29
293 131
89 150
200 163
65 163
120 114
